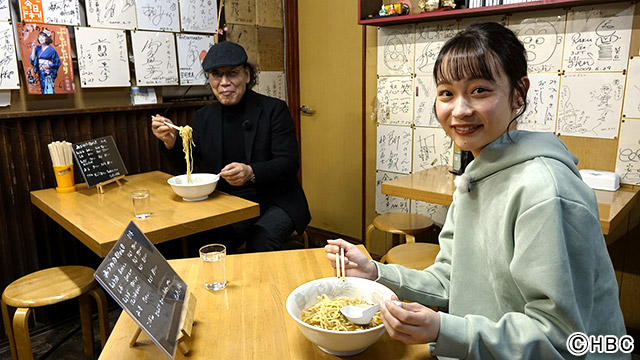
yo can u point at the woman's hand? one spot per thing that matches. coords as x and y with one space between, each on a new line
356 263
237 174
411 323
163 132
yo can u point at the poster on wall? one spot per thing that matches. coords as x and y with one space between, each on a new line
191 51
5 11
115 14
31 10
161 15
154 55
103 60
46 58
9 66
199 16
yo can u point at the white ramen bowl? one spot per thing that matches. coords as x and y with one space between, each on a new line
339 343
201 186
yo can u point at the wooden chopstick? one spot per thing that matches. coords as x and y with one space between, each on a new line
342 263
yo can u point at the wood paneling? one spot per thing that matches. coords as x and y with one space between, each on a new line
29 240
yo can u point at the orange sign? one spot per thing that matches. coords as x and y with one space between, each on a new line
31 10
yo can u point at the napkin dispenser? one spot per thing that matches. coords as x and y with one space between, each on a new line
601 180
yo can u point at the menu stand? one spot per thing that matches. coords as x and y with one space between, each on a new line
116 179
186 324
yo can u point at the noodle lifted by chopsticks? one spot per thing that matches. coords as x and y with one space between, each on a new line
186 133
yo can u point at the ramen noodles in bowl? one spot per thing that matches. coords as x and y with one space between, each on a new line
339 336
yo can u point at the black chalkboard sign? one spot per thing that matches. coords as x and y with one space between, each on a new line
143 283
99 160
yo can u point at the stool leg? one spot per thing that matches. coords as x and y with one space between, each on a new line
367 237
21 333
306 239
85 320
7 315
409 239
103 313
395 240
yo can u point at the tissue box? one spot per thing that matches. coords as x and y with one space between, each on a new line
601 180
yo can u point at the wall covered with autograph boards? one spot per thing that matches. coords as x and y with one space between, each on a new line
124 43
585 87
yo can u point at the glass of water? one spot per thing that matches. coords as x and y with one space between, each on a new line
141 203
213 266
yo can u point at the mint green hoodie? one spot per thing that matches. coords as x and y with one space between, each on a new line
522 263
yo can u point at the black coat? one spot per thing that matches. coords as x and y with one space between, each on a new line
271 148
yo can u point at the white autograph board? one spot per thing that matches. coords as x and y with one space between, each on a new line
394 148
425 97
431 147
628 160
437 213
103 59
115 14
632 94
598 37
5 10
395 100
542 103
154 54
430 37
387 203
190 50
63 12
590 104
542 34
162 15
272 83
199 15
395 50
9 77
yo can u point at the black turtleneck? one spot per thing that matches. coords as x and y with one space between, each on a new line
233 132
233 149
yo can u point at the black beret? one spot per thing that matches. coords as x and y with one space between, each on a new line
223 54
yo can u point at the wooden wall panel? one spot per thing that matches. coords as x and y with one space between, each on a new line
30 240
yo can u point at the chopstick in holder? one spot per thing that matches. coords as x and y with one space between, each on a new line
60 152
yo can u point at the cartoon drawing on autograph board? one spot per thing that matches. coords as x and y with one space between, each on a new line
395 50
541 34
590 104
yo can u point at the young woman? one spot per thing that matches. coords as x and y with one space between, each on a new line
523 263
45 61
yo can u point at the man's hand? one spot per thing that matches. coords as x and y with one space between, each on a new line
237 174
163 132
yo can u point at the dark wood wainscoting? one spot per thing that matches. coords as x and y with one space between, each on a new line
30 240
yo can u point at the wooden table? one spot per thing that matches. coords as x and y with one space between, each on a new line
97 220
248 319
435 185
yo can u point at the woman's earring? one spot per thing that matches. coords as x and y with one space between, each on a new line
520 102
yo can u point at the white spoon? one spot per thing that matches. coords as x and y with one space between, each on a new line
362 314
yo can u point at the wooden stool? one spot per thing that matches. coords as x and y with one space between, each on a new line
398 224
46 287
412 255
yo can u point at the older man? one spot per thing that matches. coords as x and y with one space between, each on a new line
250 140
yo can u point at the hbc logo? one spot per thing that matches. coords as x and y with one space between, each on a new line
579 344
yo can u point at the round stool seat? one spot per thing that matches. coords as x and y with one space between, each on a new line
402 223
413 255
49 286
